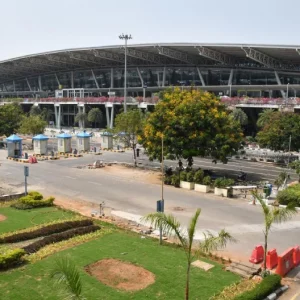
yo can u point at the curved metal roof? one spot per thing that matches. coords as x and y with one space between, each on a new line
275 57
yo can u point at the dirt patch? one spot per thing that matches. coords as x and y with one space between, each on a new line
2 218
133 173
121 275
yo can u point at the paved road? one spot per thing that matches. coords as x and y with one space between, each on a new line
132 199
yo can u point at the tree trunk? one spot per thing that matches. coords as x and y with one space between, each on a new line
265 251
187 287
134 155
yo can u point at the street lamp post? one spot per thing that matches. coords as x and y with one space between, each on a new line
125 37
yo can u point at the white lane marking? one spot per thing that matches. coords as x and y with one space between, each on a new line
70 177
93 182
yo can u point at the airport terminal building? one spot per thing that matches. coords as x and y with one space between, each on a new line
96 74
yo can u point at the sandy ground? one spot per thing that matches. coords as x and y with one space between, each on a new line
2 218
121 275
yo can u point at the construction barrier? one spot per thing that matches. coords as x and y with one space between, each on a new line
257 255
296 256
285 262
271 259
32 160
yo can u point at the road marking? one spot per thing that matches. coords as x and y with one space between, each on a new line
295 296
93 182
70 177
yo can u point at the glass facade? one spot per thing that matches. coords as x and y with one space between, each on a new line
113 78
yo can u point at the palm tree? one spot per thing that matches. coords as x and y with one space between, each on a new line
264 117
240 116
68 279
171 226
81 119
46 114
273 215
95 116
35 111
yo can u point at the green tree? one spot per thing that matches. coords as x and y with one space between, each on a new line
81 119
67 279
46 114
276 133
32 125
128 126
264 117
10 118
192 123
35 110
95 116
271 216
295 165
240 116
171 226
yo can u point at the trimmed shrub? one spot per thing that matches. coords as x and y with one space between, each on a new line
57 237
33 200
35 195
190 176
199 176
290 195
206 180
222 183
263 289
11 258
183 175
167 180
44 231
175 180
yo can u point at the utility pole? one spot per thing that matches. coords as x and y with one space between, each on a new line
162 186
125 37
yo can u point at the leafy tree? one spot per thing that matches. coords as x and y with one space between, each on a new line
240 116
276 133
273 215
95 116
171 226
32 125
46 114
265 117
35 111
81 119
128 126
10 118
67 279
295 165
192 123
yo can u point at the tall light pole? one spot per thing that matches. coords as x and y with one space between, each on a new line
125 37
162 186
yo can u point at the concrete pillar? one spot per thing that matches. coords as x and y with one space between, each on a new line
56 116
107 117
72 79
112 117
59 116
111 78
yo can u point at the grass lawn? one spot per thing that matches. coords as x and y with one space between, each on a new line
20 219
167 263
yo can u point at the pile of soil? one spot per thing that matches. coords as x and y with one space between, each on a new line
2 218
121 275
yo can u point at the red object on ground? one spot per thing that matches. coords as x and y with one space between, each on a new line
272 259
285 262
296 256
34 160
30 160
257 255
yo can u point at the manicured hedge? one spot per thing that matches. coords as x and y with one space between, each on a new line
290 195
27 202
263 289
44 231
57 237
11 258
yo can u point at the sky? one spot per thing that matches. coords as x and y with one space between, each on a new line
34 26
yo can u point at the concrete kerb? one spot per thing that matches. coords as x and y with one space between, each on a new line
277 293
11 197
281 206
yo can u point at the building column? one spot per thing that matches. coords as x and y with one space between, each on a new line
72 79
107 116
164 77
111 78
279 83
200 77
59 116
112 117
40 82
